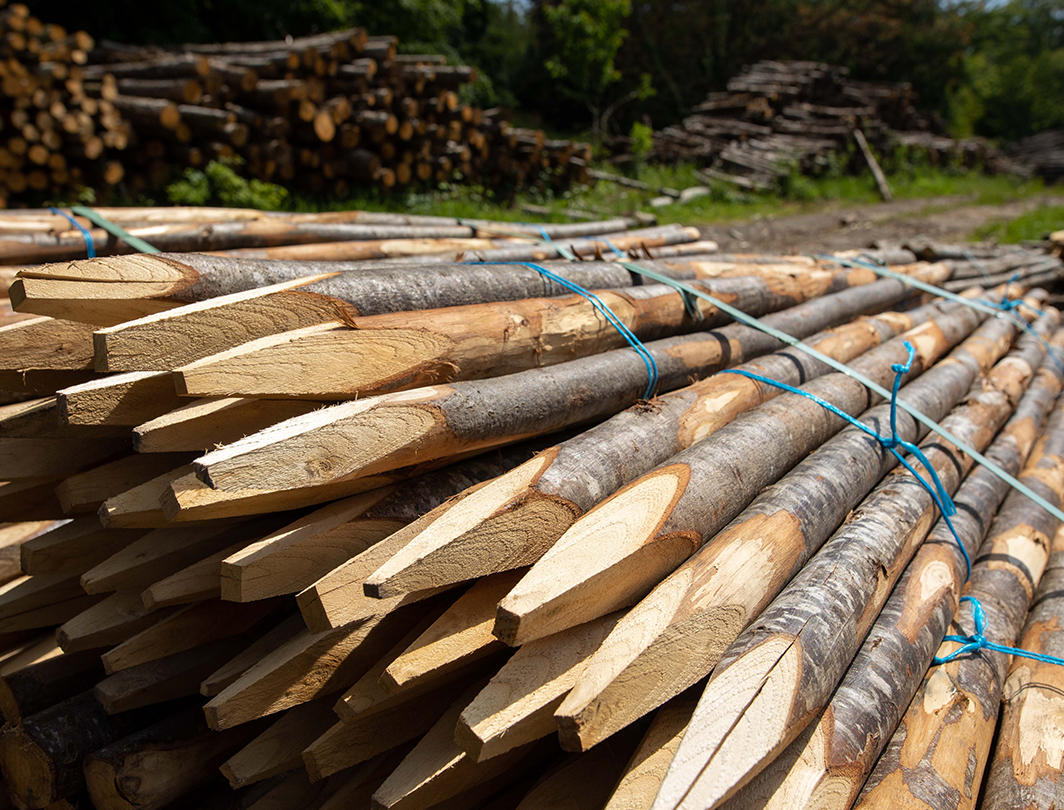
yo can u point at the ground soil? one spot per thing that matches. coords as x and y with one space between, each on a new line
942 219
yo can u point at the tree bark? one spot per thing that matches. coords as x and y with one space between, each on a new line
153 767
669 513
36 687
41 758
827 764
957 703
407 350
804 641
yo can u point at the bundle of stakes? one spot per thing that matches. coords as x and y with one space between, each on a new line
324 113
421 528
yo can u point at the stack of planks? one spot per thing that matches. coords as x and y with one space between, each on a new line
492 538
776 117
56 133
323 113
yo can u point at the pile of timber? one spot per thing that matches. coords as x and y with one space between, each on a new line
1042 154
322 113
55 133
517 583
776 117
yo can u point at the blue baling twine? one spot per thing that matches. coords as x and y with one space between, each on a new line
601 307
890 443
1006 308
977 641
90 245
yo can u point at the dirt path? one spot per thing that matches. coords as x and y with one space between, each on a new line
944 219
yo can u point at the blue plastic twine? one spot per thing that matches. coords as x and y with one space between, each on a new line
890 443
607 313
90 245
977 641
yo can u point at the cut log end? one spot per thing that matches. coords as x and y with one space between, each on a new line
28 771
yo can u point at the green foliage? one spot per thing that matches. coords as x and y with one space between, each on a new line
588 34
219 184
1033 225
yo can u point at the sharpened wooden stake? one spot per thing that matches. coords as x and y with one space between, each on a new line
622 548
1007 569
525 512
185 629
777 675
108 622
835 754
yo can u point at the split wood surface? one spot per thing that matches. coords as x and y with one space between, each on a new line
217 600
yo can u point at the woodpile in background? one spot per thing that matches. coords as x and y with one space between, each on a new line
322 113
400 530
777 117
1042 153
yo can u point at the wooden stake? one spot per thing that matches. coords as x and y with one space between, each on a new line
836 753
306 667
108 622
46 343
642 776
1007 570
437 769
236 666
517 705
235 308
802 644
74 547
382 433
406 350
186 629
122 399
461 635
297 555
175 676
280 747
85 492
663 517
535 504
206 423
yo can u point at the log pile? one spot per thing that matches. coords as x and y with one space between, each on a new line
370 533
776 117
322 113
1042 154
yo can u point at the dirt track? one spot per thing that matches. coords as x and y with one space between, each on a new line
945 219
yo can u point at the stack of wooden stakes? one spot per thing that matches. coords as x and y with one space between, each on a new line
493 539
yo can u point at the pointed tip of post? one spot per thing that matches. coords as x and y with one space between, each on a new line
507 627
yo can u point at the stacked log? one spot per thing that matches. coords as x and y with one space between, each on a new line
57 132
323 113
778 117
493 537
1041 154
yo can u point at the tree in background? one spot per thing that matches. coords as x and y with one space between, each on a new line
1013 76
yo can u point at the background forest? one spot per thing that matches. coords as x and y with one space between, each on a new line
993 69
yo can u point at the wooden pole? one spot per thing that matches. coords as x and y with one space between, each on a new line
840 748
819 620
443 420
1023 532
701 490
544 499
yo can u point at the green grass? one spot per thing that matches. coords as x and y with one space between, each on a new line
724 204
1033 225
